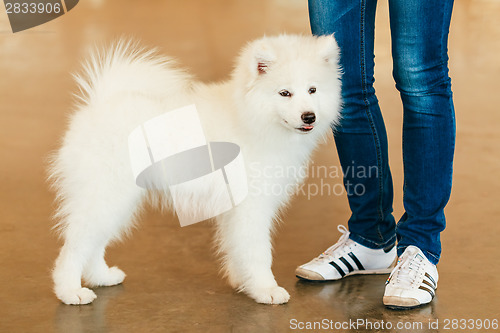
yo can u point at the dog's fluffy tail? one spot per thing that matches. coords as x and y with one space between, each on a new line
121 86
127 67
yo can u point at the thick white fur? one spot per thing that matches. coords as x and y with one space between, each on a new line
125 86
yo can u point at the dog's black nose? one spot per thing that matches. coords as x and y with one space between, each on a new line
308 117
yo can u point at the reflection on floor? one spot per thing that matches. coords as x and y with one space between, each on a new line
173 283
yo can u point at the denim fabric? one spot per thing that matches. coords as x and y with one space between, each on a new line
419 31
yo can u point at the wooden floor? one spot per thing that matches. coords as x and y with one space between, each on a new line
173 283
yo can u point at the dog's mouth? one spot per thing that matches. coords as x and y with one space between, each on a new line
305 128
302 129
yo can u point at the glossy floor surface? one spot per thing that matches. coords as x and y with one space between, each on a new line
173 283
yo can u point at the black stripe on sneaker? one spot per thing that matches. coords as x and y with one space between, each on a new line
347 264
427 275
428 290
356 261
428 283
341 272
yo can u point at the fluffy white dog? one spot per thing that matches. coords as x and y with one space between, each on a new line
281 99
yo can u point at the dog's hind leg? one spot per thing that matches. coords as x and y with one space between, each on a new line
96 213
67 275
97 273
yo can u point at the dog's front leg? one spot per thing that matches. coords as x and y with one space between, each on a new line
244 238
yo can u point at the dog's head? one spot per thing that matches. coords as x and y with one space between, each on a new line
290 80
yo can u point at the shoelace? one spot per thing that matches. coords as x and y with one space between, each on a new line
328 254
406 271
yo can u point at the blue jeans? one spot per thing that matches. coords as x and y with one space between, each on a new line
419 32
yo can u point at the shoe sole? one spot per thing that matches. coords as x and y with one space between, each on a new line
403 308
307 275
400 303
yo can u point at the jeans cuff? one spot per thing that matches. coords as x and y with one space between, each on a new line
371 244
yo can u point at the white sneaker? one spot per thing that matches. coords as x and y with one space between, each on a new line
413 281
345 258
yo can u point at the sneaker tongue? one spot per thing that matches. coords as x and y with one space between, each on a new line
411 250
410 253
409 265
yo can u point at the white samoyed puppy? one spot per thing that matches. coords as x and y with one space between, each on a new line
281 99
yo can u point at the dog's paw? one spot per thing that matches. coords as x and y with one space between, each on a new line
110 277
77 296
273 295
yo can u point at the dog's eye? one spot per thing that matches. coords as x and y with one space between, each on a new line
312 90
285 93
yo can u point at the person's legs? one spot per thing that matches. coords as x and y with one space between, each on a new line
361 138
419 30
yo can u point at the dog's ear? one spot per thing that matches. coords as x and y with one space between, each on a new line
329 49
263 57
